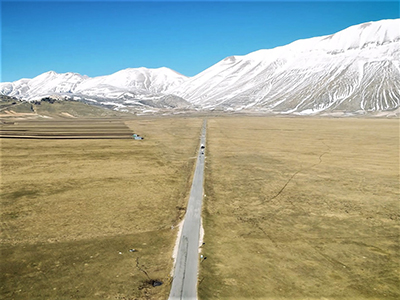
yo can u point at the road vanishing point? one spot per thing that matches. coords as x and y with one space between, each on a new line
184 283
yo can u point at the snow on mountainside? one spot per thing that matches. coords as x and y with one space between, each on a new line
140 80
125 84
44 84
356 69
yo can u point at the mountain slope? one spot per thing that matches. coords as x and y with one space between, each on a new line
136 81
44 84
356 69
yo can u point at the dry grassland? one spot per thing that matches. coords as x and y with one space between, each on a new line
68 207
301 209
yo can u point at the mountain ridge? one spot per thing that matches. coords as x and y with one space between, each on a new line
356 70
288 79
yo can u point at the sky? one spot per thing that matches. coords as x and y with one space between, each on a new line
97 38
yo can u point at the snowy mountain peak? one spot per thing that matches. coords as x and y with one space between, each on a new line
157 72
135 80
132 80
371 34
360 36
356 69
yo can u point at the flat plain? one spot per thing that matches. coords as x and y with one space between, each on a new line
295 208
301 208
81 194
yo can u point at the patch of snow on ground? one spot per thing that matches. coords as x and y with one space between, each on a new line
114 104
201 235
176 247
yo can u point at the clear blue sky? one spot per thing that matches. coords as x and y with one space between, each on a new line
98 38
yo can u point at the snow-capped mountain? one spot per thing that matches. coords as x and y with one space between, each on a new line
42 85
137 81
130 85
356 69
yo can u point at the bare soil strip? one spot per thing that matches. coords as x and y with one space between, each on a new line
99 129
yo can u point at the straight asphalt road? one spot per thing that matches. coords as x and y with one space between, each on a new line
184 284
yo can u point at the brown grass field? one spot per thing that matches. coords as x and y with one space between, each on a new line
69 206
295 208
301 208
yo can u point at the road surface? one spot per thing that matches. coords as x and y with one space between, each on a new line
184 284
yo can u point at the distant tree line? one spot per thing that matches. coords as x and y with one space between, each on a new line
8 98
49 100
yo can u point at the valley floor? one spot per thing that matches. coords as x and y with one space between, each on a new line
295 208
301 208
71 209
